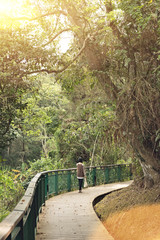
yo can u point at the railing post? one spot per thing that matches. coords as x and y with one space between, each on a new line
36 205
56 183
21 229
119 173
46 186
33 219
94 176
39 195
130 171
106 175
9 237
69 181
30 224
42 190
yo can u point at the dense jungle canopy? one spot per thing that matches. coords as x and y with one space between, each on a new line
82 78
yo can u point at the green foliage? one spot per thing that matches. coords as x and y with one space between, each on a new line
41 165
36 166
11 191
12 84
87 131
37 123
18 56
44 164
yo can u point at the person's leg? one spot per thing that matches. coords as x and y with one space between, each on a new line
80 184
79 181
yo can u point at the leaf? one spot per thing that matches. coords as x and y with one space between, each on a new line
14 170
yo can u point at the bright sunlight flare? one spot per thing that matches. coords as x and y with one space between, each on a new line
10 7
13 9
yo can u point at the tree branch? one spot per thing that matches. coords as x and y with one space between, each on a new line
65 67
41 16
54 37
7 127
94 147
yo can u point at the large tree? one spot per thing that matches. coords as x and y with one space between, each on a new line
119 42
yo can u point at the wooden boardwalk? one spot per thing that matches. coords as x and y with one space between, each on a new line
71 216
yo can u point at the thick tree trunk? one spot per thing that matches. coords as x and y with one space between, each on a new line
150 165
151 176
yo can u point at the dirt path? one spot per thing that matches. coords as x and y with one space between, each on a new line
139 223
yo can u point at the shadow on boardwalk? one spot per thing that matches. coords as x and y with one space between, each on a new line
71 216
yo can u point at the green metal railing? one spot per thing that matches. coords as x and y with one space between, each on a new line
21 223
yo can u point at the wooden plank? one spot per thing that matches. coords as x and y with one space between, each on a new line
23 204
32 185
9 223
35 179
29 192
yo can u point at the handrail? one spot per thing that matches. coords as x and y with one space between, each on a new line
21 223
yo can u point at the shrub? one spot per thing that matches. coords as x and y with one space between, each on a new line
11 191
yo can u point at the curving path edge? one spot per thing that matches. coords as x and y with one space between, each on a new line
70 216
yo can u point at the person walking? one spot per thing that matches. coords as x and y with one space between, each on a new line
80 173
